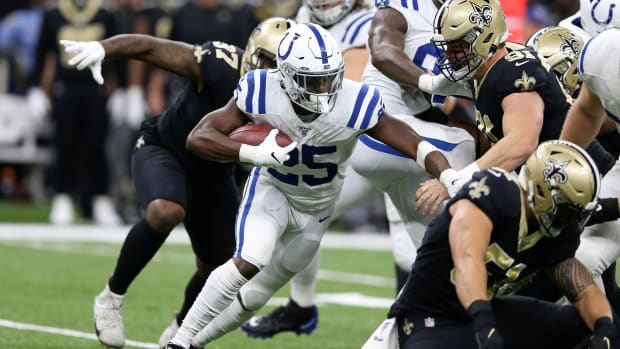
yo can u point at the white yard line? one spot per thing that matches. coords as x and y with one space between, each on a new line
67 332
45 232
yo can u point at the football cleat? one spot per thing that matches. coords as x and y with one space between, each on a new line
169 332
290 317
108 319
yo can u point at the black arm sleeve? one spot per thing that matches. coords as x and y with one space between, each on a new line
607 211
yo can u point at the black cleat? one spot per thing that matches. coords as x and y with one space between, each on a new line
290 317
176 346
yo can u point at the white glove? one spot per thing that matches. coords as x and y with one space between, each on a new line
116 107
89 54
268 153
136 108
38 103
453 180
439 85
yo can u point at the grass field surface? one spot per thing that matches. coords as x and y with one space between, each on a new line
48 286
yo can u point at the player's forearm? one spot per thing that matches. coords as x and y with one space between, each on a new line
509 153
169 55
395 64
580 127
470 280
210 144
592 305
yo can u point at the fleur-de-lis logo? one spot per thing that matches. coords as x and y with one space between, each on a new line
140 142
479 189
555 171
198 53
526 82
481 15
407 327
570 46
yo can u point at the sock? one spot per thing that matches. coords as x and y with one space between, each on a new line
192 290
229 319
218 292
140 245
304 283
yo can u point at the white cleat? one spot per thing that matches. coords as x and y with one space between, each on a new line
104 212
108 319
61 212
168 333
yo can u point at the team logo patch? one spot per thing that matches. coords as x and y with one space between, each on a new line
570 46
429 322
140 142
198 53
555 171
407 327
479 189
481 15
526 82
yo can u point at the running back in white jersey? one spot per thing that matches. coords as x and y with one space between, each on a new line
419 15
351 31
599 68
312 177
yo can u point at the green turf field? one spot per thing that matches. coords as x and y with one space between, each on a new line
53 284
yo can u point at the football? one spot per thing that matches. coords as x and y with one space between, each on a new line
254 134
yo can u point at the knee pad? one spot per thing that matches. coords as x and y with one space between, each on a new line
296 254
255 294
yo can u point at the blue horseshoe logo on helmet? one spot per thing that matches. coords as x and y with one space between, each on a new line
290 46
609 14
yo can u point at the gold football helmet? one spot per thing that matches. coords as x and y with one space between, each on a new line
467 33
263 43
560 48
562 184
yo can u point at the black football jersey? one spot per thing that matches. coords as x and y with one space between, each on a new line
519 71
220 65
514 254
66 22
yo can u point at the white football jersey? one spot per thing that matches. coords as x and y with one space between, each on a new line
419 16
312 177
573 23
351 31
599 69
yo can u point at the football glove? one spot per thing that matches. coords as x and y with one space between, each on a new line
604 334
487 335
268 153
89 54
439 85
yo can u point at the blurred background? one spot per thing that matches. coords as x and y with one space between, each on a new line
65 142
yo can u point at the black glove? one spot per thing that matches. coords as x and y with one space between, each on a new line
604 334
487 335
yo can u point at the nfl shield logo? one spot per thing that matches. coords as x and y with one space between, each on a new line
429 322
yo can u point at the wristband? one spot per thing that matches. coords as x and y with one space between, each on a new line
468 171
247 153
607 211
425 83
424 148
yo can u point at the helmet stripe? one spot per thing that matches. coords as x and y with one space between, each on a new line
320 41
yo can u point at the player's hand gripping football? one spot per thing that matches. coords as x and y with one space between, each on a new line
439 85
89 54
487 335
604 334
268 153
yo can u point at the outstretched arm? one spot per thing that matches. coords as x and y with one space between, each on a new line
584 118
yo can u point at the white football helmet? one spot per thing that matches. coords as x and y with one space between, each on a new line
328 12
599 15
311 65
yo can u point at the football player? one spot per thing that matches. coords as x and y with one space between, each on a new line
173 185
598 100
519 102
291 192
494 235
